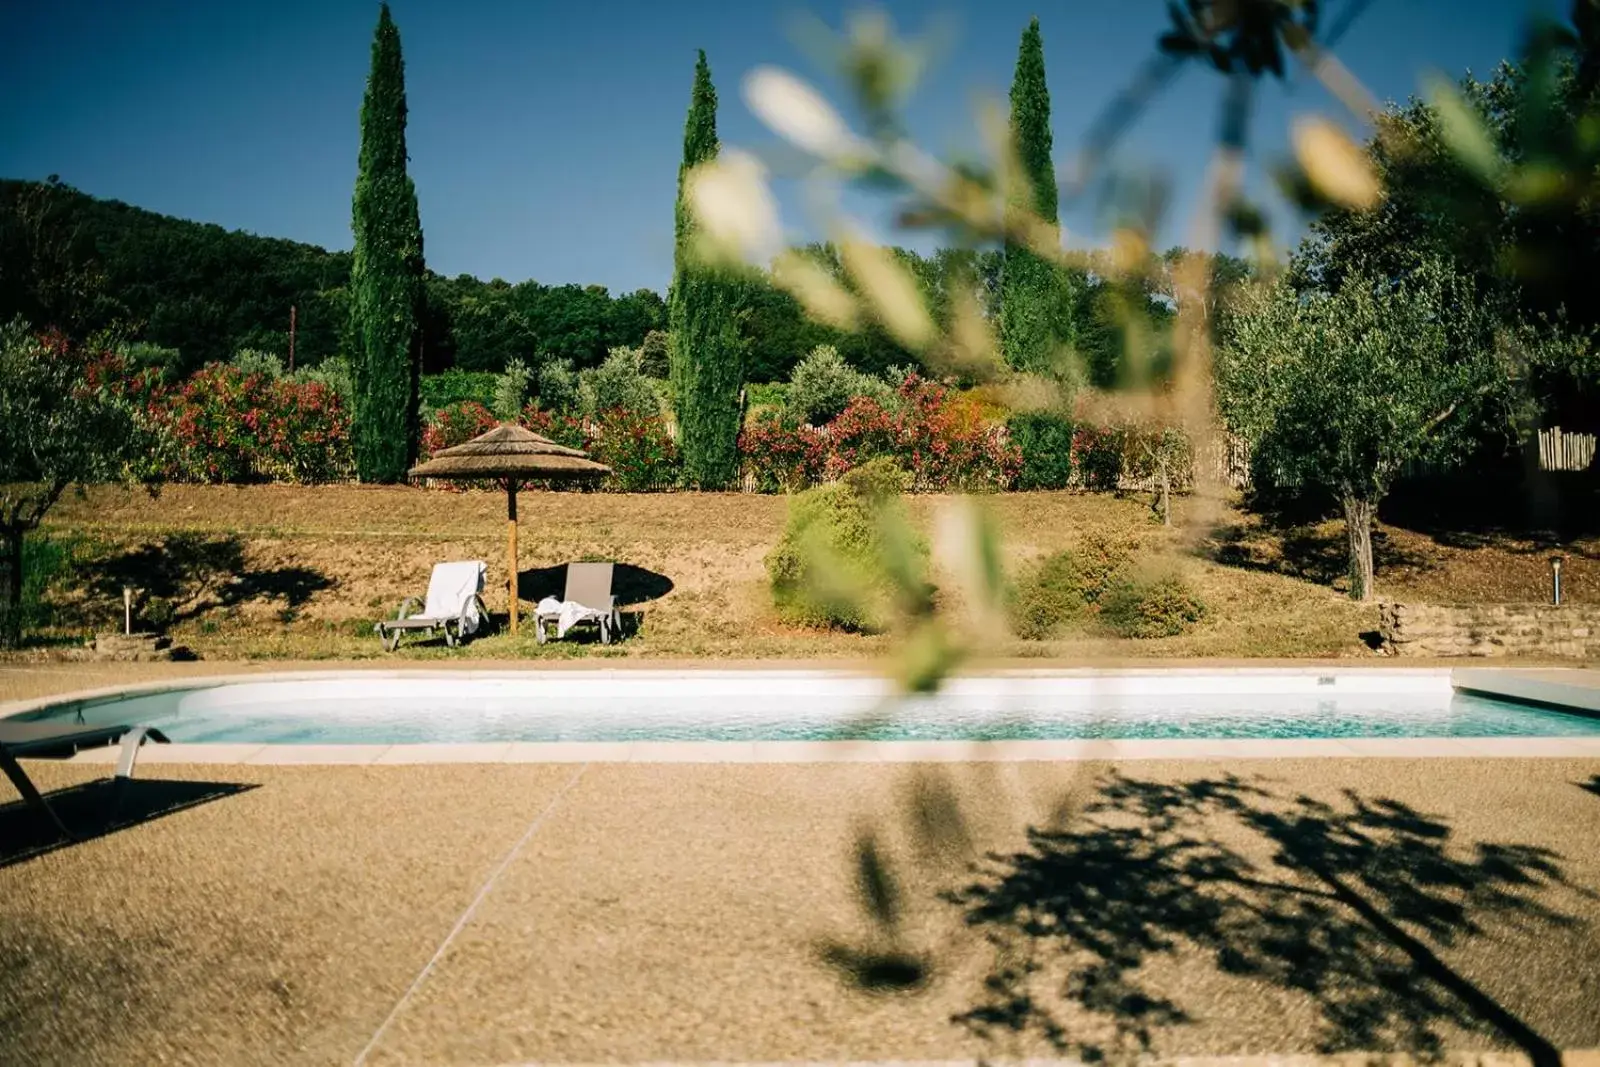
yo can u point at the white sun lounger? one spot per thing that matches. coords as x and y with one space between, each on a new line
454 606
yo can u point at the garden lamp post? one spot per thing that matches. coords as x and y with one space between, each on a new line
1555 580
510 456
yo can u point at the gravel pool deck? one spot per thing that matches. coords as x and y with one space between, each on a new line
605 913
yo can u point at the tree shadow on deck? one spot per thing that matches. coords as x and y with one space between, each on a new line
98 808
1260 893
1345 903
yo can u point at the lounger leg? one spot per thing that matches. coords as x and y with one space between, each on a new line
31 795
130 747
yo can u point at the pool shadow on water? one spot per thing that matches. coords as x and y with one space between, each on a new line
99 808
1347 903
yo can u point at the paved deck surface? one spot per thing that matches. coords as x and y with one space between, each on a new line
511 913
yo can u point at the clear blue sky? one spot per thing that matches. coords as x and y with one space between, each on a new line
545 137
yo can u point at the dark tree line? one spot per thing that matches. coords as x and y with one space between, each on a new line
85 265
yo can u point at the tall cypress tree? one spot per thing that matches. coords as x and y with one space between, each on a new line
386 273
706 351
1033 293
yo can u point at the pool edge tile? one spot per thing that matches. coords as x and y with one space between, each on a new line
446 752
279 755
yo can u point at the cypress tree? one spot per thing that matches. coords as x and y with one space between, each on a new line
705 346
1033 294
386 272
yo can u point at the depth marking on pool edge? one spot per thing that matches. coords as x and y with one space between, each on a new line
466 916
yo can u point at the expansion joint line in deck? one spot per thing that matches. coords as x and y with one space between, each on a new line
466 916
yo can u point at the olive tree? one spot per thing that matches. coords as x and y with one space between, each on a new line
1344 389
56 431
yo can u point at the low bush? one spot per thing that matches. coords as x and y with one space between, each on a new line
1148 606
1099 561
828 569
1044 443
558 387
1051 596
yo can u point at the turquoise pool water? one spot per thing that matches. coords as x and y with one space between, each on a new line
387 708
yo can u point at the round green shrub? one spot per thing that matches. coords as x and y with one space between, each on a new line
1100 560
1161 605
1045 441
829 567
1049 598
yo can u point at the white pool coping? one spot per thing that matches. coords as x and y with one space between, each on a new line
1554 687
749 752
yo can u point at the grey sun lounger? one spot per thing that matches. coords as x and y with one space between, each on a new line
587 598
47 738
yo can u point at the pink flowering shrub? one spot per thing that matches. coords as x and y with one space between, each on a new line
636 446
942 440
456 424
231 426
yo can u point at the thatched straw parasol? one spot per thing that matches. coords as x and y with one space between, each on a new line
509 455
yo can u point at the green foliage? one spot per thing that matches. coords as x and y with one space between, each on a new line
559 388
1343 389
1036 296
386 272
823 385
655 355
1050 597
1097 454
333 374
47 561
1045 441
831 566
1161 604
455 385
255 361
57 428
707 351
164 364
512 390
618 385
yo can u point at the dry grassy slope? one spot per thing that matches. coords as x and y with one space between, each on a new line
285 571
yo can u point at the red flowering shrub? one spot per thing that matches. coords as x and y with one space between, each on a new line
232 426
783 458
636 446
1097 457
569 430
943 441
456 424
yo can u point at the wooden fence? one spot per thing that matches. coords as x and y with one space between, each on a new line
1561 451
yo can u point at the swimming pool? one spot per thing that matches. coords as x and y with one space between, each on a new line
413 707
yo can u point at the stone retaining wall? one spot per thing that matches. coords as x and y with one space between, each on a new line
1490 630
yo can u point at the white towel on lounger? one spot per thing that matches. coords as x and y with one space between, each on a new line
567 613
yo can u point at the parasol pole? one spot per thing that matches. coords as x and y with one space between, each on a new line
511 552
